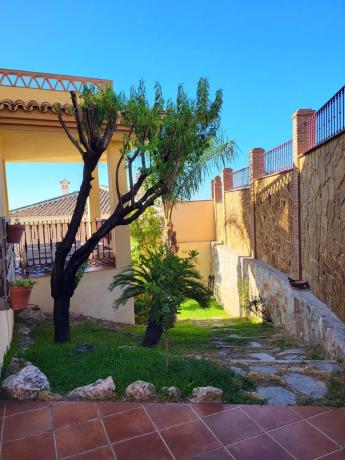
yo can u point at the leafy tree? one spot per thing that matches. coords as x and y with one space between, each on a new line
213 158
165 280
163 140
146 233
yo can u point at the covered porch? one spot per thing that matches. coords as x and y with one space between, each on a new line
31 133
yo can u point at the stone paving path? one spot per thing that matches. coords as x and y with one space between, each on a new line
283 375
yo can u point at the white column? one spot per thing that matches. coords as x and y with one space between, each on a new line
121 234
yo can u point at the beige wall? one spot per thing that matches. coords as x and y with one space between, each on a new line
92 297
194 221
237 220
323 222
6 328
195 229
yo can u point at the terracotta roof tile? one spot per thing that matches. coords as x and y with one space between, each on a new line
60 206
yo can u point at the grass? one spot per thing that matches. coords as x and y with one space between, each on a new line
191 310
119 354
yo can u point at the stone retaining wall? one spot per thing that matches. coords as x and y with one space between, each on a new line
298 312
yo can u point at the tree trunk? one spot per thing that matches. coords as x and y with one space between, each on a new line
61 319
153 334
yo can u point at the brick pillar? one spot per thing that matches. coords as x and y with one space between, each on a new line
257 163
227 179
256 170
218 189
212 188
300 143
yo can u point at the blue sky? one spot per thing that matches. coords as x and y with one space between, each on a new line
270 57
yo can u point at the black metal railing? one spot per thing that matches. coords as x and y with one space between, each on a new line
328 121
35 252
279 158
240 178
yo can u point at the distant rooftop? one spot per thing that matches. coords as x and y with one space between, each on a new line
61 206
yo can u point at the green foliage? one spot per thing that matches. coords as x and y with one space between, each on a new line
166 280
102 103
173 138
257 306
23 282
146 233
80 273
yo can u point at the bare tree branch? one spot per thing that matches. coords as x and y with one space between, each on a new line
78 119
69 134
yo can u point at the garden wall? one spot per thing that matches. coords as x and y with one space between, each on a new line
298 312
194 223
92 297
237 206
322 178
273 220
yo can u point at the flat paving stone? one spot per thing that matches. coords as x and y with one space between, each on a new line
269 370
291 351
262 356
326 366
307 385
254 345
277 396
292 357
238 371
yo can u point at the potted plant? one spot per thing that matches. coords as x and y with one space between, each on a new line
15 232
20 291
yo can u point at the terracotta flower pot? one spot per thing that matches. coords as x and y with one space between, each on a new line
19 297
15 233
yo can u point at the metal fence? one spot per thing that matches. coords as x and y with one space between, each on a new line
35 253
277 159
328 121
240 178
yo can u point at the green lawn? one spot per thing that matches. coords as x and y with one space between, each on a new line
191 310
119 354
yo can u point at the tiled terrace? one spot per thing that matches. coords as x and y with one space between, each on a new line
114 430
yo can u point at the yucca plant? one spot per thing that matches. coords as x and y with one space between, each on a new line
166 280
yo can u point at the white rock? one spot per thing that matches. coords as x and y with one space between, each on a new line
140 391
25 384
174 393
101 389
16 365
207 395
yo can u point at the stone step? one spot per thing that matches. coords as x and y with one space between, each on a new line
276 361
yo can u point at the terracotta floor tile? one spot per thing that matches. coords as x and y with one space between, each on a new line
340 455
78 438
232 425
208 409
309 411
261 447
332 423
165 415
27 424
14 407
189 439
104 453
147 447
35 448
303 441
2 408
69 413
270 417
127 424
108 407
218 454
